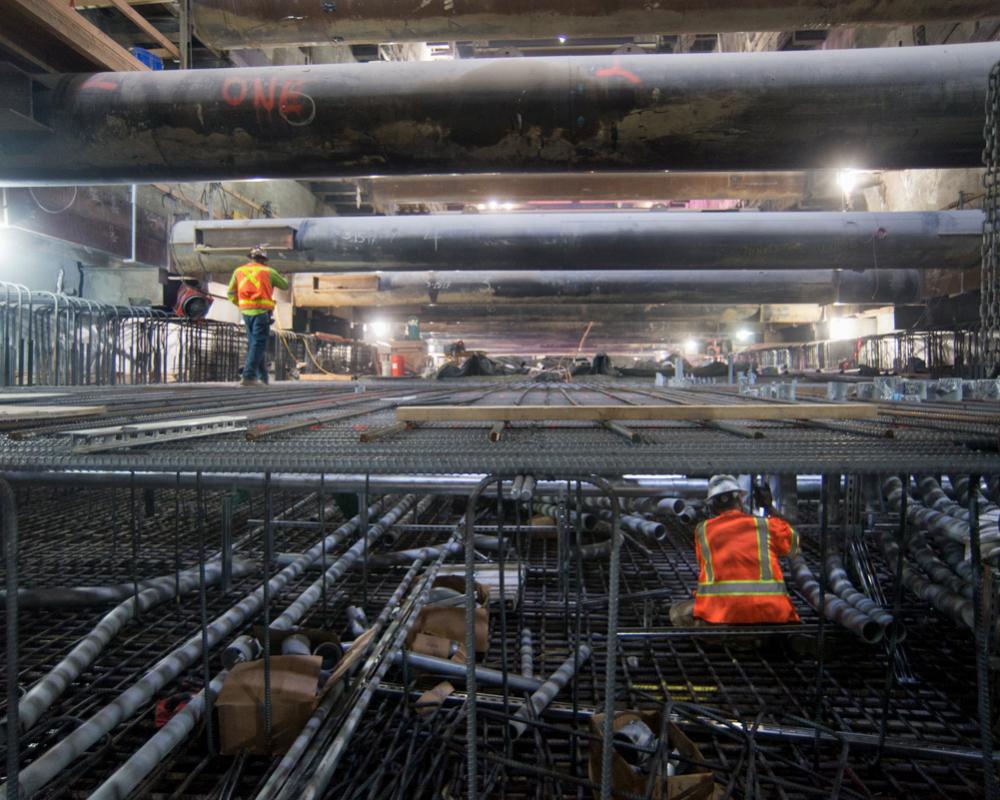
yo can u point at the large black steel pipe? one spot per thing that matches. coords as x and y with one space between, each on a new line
877 108
602 240
505 289
230 24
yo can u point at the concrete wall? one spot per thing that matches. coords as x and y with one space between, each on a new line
926 190
130 285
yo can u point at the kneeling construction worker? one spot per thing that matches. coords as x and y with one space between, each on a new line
739 577
252 289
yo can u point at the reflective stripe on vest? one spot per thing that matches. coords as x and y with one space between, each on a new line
706 553
732 588
763 548
794 549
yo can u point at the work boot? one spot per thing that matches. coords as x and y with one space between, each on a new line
249 382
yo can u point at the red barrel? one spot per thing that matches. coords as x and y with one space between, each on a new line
398 366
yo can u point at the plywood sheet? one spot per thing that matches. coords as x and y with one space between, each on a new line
14 413
762 411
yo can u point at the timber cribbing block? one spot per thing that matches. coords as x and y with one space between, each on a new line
761 411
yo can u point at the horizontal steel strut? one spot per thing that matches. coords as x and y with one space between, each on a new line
885 108
798 241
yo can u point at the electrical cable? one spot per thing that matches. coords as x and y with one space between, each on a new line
76 191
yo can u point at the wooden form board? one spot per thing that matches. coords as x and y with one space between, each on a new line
320 377
32 397
13 413
60 20
695 413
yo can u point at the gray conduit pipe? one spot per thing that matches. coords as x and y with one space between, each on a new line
82 596
357 620
634 523
243 648
953 554
297 610
456 671
933 496
120 784
671 505
961 488
937 523
844 589
989 512
540 700
400 557
527 654
296 645
405 557
834 608
945 601
993 488
589 521
47 766
46 691
245 645
937 570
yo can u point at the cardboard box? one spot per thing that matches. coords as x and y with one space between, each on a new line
240 704
448 624
691 785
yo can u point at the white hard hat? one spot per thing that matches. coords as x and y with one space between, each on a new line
722 484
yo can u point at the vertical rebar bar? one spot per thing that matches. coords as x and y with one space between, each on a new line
897 602
824 520
470 634
501 567
13 742
135 547
363 502
321 499
203 609
227 543
981 603
268 541
614 579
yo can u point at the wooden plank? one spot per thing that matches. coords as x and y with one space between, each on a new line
59 20
320 377
761 411
147 27
29 397
13 413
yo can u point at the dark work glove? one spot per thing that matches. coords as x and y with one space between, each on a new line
762 497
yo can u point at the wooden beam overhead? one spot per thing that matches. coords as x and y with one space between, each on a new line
61 22
695 413
147 27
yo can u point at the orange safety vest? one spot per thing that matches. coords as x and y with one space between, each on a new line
740 579
253 287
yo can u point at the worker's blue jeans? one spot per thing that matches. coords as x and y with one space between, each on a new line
258 328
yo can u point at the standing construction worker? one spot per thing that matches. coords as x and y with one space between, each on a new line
252 289
739 577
